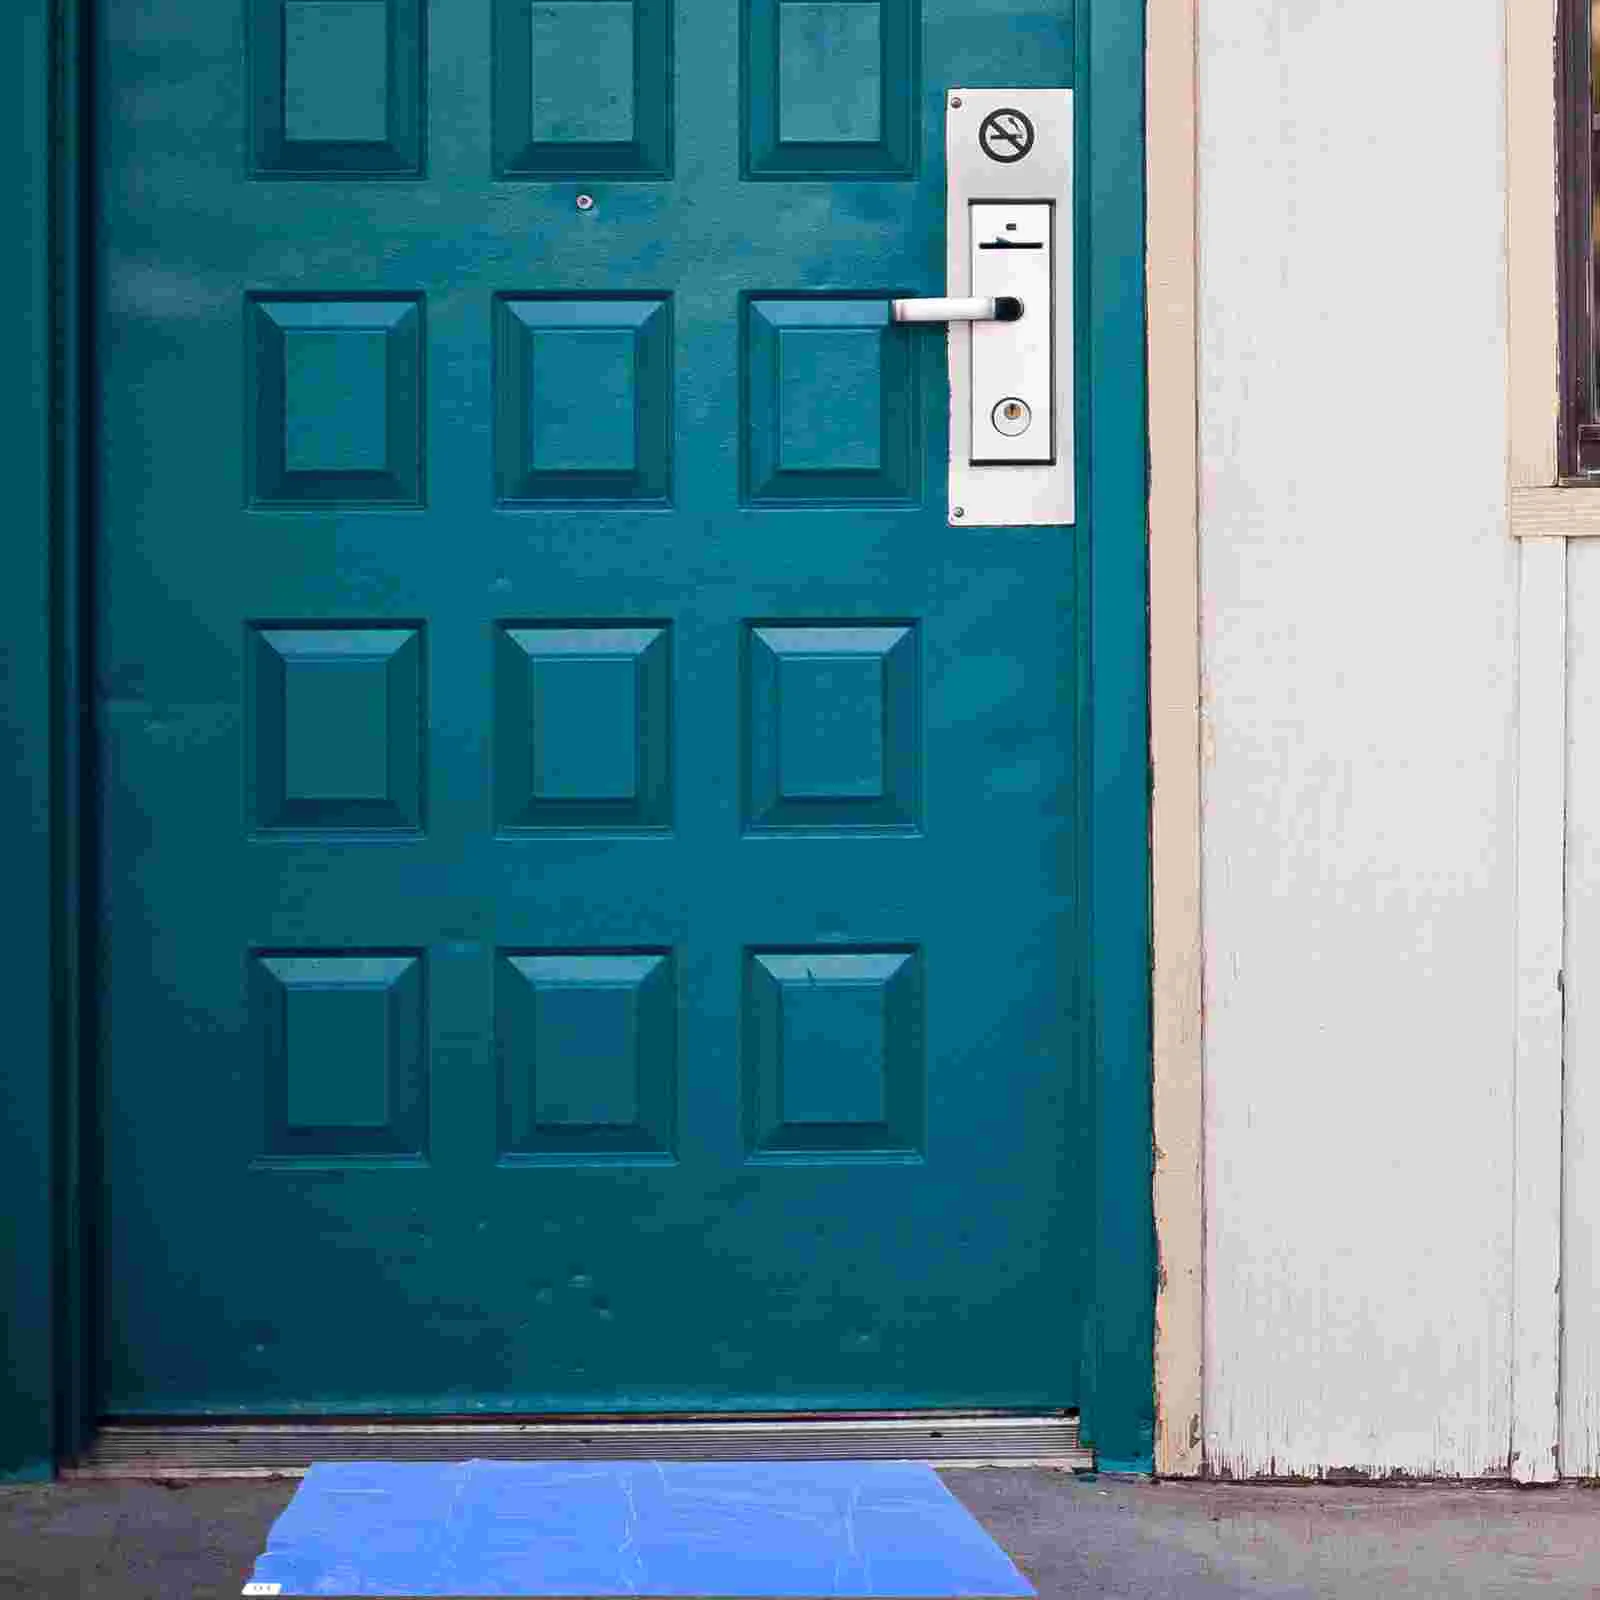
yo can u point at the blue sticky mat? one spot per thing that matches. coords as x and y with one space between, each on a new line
631 1527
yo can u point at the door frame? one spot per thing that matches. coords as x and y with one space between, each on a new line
1177 951
46 1143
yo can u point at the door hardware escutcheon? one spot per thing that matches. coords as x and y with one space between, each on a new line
1009 219
1012 252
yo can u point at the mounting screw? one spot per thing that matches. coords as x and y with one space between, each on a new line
955 102
586 202
958 511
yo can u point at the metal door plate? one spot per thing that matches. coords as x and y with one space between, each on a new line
994 157
243 1448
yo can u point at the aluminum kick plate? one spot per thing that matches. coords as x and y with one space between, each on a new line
123 1449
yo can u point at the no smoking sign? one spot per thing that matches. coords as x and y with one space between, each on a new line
1006 135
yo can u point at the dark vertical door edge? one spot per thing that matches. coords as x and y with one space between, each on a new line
1119 1343
27 1234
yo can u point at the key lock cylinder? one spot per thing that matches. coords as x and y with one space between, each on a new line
1009 307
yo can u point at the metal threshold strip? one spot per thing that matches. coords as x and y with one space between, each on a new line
188 1449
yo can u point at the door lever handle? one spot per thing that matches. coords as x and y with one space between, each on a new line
1004 308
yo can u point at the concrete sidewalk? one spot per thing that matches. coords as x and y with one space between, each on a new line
1113 1537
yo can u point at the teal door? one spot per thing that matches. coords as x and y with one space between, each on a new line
594 869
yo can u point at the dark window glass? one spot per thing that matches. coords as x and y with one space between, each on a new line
1579 72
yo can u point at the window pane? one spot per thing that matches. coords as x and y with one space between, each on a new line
1588 352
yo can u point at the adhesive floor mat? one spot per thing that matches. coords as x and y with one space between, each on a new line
843 1528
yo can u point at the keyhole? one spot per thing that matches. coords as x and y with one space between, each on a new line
1011 417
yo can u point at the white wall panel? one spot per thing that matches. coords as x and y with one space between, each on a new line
1358 618
1580 1267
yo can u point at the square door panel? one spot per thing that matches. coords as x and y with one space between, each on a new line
334 731
583 727
583 88
336 88
833 728
830 403
583 399
587 1050
830 88
833 1063
344 1054
335 400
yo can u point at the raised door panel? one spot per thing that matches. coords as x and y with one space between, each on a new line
336 88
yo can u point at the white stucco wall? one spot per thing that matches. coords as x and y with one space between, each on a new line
1359 657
